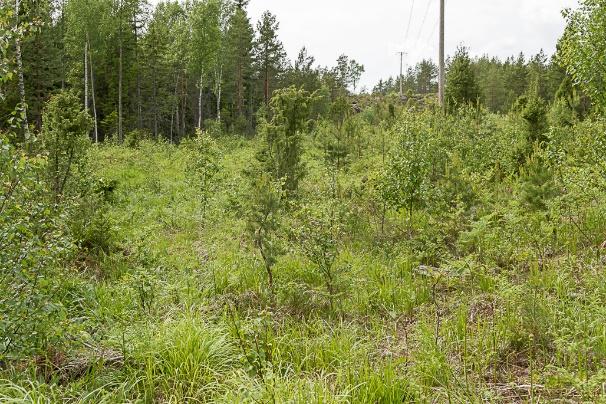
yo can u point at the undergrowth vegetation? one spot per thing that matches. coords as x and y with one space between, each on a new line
304 245
442 257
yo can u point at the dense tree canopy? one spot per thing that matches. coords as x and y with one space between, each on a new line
160 71
582 49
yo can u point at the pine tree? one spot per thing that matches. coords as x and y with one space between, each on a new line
269 52
355 71
426 73
41 57
303 74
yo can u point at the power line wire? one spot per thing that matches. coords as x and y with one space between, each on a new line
433 31
429 3
412 7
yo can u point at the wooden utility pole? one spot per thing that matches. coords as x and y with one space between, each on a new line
401 73
442 74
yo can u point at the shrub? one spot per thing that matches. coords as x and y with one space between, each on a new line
289 118
263 220
320 237
65 138
135 137
213 127
203 166
533 110
33 244
406 177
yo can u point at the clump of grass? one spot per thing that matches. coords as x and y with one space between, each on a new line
188 359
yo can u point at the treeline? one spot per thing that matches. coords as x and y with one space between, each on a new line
161 71
497 83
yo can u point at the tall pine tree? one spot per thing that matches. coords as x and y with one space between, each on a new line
269 52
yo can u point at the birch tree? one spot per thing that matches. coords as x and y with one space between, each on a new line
205 20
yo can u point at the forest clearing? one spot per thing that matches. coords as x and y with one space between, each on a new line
188 216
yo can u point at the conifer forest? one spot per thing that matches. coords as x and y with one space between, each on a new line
190 213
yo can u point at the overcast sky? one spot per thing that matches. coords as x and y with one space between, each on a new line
373 31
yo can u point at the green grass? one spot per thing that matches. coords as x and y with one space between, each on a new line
484 303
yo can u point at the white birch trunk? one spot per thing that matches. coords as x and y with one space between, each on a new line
86 73
20 72
200 104
92 87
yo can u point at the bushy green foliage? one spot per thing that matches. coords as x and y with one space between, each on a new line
452 258
289 111
263 220
34 244
7 29
533 110
65 138
406 177
203 166
461 87
537 183
320 236
582 48
496 276
135 137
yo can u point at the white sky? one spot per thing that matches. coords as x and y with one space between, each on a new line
373 31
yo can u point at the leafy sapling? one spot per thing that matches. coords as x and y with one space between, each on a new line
203 166
405 179
263 221
320 237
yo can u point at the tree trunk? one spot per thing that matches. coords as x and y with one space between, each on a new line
176 113
172 119
86 74
218 84
139 108
184 94
155 107
266 86
63 45
92 87
20 72
120 133
200 104
240 89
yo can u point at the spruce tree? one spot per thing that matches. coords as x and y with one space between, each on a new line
461 84
240 40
